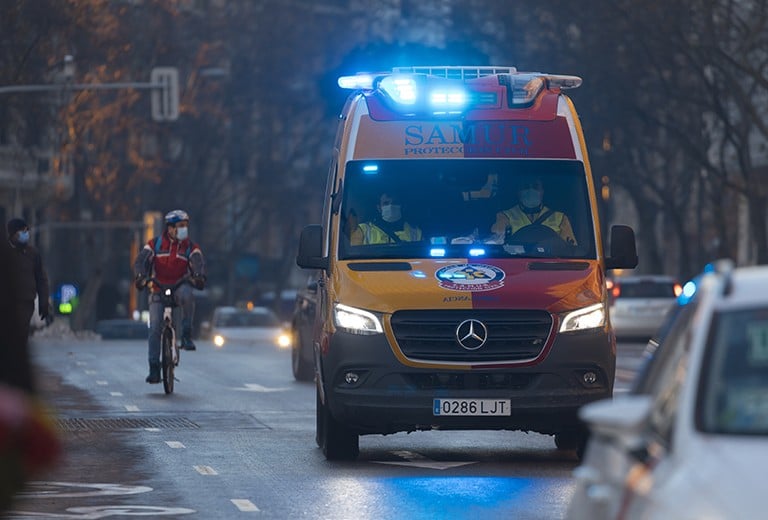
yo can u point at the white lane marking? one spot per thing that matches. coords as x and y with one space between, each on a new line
49 489
175 444
132 408
102 383
80 363
253 387
205 470
417 460
245 505
151 429
90 372
116 394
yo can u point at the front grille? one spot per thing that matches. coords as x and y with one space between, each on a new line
513 335
462 381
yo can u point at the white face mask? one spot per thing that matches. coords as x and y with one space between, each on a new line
182 233
530 198
391 213
23 237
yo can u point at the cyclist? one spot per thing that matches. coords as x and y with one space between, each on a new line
169 258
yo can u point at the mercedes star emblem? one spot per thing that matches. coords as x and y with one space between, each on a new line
471 334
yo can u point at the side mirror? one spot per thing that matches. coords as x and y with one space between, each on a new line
310 254
623 253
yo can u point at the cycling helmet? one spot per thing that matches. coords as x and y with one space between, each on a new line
176 216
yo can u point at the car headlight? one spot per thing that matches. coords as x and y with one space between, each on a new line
356 321
283 340
591 317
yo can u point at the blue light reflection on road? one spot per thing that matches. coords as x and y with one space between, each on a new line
445 497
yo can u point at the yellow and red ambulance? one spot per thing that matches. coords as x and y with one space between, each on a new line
462 266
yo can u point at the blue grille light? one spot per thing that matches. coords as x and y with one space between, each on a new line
437 251
476 251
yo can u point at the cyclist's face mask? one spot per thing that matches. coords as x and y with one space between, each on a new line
23 237
182 233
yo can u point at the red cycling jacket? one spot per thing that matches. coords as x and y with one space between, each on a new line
169 260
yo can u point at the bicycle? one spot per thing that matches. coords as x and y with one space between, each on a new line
169 350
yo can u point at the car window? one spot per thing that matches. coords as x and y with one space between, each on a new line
734 385
247 319
647 289
673 340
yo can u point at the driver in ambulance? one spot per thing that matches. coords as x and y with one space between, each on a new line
530 210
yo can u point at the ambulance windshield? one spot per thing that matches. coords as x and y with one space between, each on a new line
465 208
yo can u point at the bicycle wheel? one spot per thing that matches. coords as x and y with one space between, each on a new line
166 344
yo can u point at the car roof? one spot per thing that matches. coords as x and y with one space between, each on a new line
239 310
745 286
640 278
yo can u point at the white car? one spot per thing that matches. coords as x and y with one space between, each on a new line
696 446
258 325
640 303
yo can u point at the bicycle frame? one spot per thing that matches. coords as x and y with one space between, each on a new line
169 350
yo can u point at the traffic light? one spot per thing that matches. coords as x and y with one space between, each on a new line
165 95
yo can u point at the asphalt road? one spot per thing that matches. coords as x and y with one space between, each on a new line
236 440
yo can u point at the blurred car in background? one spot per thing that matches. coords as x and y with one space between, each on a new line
256 325
302 324
122 329
638 304
695 443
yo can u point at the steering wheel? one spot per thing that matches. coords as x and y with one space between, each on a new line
540 235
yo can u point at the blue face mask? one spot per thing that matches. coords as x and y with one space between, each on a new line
23 237
182 233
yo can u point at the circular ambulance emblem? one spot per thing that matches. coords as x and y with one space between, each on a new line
471 334
470 277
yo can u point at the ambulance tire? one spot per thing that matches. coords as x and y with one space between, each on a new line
302 371
336 440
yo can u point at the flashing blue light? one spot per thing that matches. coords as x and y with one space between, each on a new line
437 251
371 168
401 89
356 82
476 251
689 291
448 99
418 274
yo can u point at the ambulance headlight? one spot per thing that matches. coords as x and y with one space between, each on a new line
356 321
591 317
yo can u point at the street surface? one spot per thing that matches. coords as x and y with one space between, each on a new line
237 440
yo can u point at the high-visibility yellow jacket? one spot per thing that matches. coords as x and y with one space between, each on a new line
370 233
515 218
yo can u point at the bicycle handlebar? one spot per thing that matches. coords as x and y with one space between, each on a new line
173 286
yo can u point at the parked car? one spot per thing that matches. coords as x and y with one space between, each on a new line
122 329
639 303
694 445
257 325
302 324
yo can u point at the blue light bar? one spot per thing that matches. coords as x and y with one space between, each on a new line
437 251
357 82
371 168
477 251
402 89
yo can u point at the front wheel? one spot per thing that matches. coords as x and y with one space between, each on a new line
168 363
337 441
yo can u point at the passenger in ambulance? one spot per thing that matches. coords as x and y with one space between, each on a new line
388 227
530 216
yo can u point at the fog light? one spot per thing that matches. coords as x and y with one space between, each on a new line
589 378
351 378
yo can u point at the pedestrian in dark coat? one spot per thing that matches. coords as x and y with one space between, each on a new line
31 279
